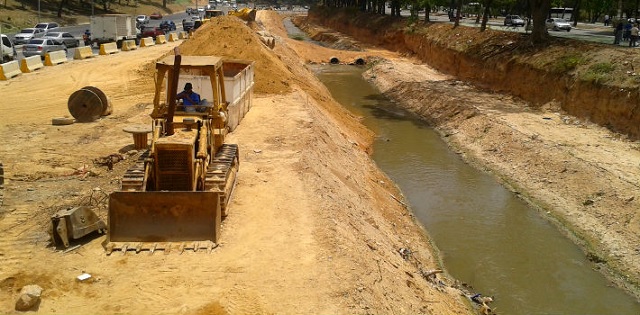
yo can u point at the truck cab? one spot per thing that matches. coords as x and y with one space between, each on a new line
7 49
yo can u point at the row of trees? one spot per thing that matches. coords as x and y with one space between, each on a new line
537 10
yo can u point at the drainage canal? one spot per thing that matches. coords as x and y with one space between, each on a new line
488 237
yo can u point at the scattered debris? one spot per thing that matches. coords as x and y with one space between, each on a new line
83 277
483 302
405 253
109 160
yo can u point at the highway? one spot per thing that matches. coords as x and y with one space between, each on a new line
584 31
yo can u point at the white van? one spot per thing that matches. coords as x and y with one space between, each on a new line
7 49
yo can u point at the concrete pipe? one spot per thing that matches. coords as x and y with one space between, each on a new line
334 60
359 61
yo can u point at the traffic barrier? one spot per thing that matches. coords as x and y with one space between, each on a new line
9 70
147 41
129 45
161 39
108 48
173 37
182 35
55 57
30 64
83 52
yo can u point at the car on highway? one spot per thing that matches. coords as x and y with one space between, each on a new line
151 31
41 46
558 24
168 26
155 16
7 49
187 25
142 19
27 34
513 20
47 26
66 38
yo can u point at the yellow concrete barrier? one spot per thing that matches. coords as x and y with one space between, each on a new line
55 57
9 70
161 39
173 37
108 48
147 41
128 45
182 35
30 64
83 52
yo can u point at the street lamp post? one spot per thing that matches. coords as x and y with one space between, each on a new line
38 11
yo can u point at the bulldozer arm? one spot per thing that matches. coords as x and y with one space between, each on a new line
163 220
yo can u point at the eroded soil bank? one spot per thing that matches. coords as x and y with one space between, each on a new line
590 81
580 175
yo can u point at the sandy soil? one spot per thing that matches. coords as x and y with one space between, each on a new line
314 226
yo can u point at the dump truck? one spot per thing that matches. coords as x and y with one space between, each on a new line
178 191
211 13
109 28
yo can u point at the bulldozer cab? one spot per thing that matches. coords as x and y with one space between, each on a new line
176 194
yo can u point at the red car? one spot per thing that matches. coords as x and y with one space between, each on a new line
155 16
151 32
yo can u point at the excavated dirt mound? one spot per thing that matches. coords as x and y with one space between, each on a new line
225 36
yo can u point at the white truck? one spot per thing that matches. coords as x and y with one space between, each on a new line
108 28
7 49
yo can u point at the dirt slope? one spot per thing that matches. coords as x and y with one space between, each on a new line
313 226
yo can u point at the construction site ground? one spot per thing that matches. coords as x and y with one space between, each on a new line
314 227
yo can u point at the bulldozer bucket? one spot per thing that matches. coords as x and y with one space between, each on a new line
163 220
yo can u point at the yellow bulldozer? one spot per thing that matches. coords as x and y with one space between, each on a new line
245 14
176 195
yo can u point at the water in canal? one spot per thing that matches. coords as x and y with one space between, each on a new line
488 237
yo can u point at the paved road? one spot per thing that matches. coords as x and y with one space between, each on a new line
78 30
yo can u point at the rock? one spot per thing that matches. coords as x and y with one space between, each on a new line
29 297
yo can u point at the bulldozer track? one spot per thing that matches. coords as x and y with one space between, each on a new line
221 174
133 179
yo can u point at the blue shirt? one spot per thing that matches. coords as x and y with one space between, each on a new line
192 98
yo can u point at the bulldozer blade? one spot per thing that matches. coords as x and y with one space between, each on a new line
154 220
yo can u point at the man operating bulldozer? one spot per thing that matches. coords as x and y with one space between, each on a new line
189 98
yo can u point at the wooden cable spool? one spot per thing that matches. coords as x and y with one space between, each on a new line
88 104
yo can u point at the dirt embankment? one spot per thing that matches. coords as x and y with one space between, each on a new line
590 81
582 176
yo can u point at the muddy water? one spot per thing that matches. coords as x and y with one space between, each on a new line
488 237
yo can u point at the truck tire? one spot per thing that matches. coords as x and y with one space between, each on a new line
119 44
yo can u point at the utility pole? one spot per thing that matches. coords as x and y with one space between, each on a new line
38 11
